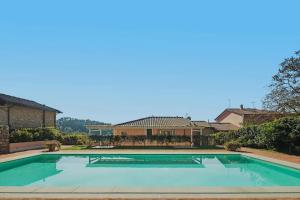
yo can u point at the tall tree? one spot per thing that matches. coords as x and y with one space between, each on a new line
284 95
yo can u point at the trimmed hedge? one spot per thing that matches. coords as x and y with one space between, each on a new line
280 135
43 134
35 134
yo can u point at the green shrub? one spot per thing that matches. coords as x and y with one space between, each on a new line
247 135
35 134
223 137
232 146
21 135
281 135
75 139
51 134
267 137
287 133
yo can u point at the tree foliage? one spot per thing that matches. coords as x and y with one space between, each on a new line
71 125
284 95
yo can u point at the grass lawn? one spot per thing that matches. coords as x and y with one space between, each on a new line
75 147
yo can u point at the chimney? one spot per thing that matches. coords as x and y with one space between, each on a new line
242 107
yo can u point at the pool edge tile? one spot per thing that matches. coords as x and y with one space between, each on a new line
273 160
44 189
16 189
81 189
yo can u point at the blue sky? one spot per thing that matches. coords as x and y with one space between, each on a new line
114 61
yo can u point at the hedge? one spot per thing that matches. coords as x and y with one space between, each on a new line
42 134
280 135
35 134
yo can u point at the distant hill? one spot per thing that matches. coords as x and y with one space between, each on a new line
69 125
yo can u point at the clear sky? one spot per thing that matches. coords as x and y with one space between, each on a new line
114 61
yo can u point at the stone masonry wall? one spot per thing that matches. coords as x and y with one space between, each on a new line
50 119
4 139
3 116
24 117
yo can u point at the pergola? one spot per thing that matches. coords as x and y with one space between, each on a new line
99 128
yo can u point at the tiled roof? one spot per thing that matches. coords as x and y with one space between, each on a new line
169 122
200 123
245 111
7 99
156 122
223 126
248 111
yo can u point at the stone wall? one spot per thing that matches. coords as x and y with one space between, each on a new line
3 116
4 139
25 117
50 119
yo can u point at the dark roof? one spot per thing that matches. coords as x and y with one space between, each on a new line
246 111
7 99
223 126
157 122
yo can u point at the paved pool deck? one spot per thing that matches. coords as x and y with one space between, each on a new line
151 193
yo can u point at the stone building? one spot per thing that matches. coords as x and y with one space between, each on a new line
22 113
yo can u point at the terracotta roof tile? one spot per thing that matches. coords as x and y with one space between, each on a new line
200 123
223 126
158 122
249 111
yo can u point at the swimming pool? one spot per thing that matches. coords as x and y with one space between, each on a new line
145 170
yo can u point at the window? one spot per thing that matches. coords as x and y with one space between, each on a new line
166 132
149 132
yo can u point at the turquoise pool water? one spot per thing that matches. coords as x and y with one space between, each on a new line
145 171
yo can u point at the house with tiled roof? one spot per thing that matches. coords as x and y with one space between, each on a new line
158 125
161 125
243 116
17 112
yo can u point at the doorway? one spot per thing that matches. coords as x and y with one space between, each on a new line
149 133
